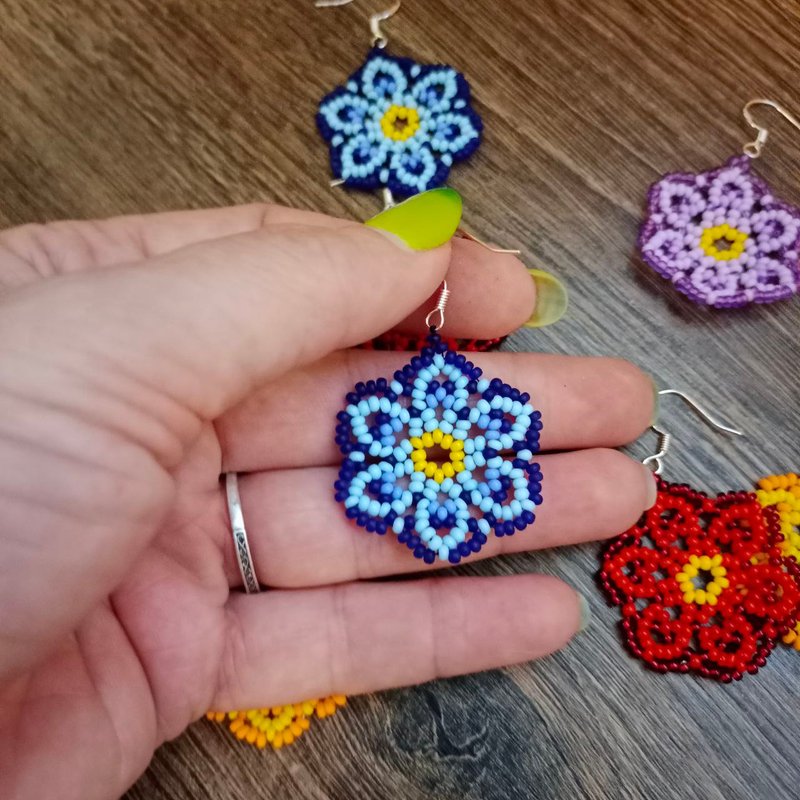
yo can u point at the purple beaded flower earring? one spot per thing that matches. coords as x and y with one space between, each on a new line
720 236
438 455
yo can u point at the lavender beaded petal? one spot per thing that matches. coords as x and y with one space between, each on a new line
721 237
440 456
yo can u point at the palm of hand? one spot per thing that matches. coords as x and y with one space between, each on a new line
145 661
124 627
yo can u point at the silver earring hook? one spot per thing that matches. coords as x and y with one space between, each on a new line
379 38
470 237
656 461
702 412
441 304
753 149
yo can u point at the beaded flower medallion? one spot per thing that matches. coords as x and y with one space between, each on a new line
721 237
703 584
439 456
398 124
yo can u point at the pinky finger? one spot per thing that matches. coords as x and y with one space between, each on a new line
287 646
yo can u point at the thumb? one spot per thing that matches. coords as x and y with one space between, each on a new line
208 322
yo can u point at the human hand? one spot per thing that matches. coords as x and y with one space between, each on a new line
140 357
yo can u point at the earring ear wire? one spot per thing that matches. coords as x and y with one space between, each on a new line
441 304
379 38
656 460
753 149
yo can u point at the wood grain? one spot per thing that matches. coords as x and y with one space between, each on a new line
138 105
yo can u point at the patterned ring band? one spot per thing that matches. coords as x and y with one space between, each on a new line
243 555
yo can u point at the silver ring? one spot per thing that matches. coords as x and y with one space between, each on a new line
243 554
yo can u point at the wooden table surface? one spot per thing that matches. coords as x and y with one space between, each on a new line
145 105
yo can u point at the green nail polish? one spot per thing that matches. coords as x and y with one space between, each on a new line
424 221
551 299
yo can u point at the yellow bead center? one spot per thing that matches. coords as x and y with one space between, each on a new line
400 123
723 242
703 588
437 454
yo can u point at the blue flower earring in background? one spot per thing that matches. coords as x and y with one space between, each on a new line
395 124
398 126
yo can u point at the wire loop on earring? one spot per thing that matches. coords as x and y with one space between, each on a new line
441 304
656 460
753 149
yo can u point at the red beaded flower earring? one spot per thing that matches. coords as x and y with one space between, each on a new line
703 584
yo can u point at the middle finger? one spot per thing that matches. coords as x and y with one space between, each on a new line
585 402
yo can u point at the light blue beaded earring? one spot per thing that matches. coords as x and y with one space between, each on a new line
397 125
438 455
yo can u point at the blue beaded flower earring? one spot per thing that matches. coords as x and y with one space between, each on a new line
439 455
397 125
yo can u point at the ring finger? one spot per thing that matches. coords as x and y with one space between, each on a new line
300 537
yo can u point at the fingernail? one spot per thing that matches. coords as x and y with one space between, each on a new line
652 487
656 401
551 299
424 221
586 613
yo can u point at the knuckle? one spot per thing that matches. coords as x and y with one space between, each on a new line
611 468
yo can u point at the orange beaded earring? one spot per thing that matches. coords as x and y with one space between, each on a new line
277 726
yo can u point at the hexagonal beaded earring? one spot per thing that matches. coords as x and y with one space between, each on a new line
439 456
705 585
721 237
398 126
